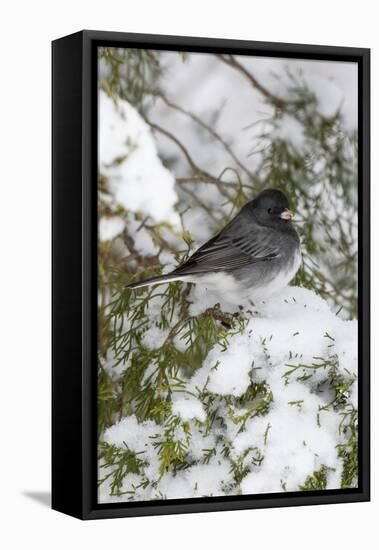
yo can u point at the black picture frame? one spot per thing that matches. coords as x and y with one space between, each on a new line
74 204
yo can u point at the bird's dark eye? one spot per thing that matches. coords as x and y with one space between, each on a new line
269 210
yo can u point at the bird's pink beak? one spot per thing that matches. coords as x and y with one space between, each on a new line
286 214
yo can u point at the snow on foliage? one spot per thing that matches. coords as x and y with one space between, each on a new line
295 349
287 128
109 228
129 159
195 398
187 407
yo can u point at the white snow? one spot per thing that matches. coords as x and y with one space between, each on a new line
142 239
188 407
296 446
128 157
200 442
135 434
219 85
296 436
293 327
288 129
154 337
109 228
139 437
198 481
218 372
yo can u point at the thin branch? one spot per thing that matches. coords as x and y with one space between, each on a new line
208 128
203 205
218 182
185 152
277 101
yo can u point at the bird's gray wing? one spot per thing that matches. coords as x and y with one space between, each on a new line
238 245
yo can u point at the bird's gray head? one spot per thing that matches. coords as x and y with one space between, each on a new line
271 208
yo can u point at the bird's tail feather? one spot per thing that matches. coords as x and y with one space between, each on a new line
157 280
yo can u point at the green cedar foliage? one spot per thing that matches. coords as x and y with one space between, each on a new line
320 179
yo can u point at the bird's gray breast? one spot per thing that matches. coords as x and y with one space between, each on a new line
263 279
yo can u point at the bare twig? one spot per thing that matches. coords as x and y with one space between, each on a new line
218 182
184 150
203 205
277 101
208 128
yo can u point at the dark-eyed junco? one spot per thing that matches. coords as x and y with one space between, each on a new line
254 256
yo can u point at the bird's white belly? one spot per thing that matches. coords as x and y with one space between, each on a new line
268 288
224 284
237 292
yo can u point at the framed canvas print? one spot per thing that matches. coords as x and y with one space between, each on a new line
210 274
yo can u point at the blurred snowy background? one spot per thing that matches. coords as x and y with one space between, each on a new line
194 401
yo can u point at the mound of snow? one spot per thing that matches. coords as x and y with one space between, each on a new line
110 227
289 345
128 157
